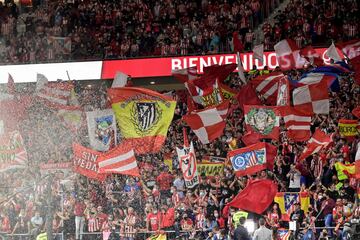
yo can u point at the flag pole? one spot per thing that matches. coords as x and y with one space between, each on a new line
67 73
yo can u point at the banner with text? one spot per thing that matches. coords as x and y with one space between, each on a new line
188 165
85 162
12 151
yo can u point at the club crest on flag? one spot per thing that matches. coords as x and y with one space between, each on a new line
145 116
244 160
290 200
261 120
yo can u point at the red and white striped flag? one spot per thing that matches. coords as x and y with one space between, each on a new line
312 98
297 123
288 55
318 141
208 124
120 160
267 85
57 95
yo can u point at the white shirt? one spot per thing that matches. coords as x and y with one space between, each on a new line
295 181
262 233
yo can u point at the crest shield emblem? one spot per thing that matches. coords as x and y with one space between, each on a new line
261 120
147 115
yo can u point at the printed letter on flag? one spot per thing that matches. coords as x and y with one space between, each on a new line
85 162
187 161
102 129
143 117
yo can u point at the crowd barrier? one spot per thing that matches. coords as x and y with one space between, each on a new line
141 234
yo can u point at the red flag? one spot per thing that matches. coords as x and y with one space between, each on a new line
310 54
247 96
263 120
120 160
253 158
214 73
288 55
297 123
238 46
312 98
251 138
186 140
85 162
317 142
267 86
356 112
256 196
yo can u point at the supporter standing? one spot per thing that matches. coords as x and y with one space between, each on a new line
262 233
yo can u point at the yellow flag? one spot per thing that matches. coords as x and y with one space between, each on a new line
344 170
143 117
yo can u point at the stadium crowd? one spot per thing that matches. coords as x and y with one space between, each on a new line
129 207
60 30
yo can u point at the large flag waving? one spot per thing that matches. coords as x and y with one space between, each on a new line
120 160
287 202
143 117
288 55
297 123
247 96
263 120
318 141
208 124
12 151
57 95
256 196
312 98
252 159
267 86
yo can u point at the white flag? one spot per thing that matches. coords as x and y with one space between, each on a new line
120 80
258 52
41 81
187 161
240 68
332 53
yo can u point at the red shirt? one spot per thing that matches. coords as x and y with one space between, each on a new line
79 209
5 225
154 220
165 181
168 218
102 218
